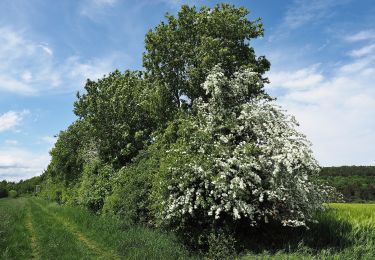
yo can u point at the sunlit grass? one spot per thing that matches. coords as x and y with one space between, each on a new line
14 237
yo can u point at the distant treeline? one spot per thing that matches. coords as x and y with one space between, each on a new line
356 183
22 187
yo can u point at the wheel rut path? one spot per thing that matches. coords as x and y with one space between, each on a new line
96 248
33 238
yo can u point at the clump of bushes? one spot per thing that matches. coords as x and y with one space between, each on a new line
95 185
13 194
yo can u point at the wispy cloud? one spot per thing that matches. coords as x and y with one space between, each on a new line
30 68
17 164
303 11
368 49
11 142
300 79
361 36
11 119
94 9
335 107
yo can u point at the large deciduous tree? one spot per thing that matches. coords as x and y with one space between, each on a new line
181 51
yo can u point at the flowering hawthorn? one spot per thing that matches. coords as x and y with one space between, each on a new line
239 156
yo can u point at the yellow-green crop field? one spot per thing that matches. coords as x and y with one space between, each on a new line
358 214
344 231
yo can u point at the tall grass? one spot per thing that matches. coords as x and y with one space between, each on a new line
344 231
14 237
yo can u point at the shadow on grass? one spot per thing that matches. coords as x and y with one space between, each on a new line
329 233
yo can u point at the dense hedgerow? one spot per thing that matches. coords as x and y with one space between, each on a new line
191 143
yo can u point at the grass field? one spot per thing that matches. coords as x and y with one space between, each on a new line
35 229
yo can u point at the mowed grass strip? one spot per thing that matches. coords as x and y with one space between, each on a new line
100 251
56 242
128 242
35 251
14 236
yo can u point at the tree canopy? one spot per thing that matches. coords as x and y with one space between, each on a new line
181 51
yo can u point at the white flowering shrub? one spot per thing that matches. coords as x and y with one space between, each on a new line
237 158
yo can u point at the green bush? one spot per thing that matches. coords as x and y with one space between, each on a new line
95 185
13 194
221 245
130 199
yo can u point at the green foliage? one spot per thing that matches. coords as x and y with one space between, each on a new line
71 150
130 199
221 245
348 171
28 186
13 193
95 185
356 183
181 51
116 109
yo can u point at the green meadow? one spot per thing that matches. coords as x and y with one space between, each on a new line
32 228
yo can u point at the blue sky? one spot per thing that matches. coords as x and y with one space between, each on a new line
322 55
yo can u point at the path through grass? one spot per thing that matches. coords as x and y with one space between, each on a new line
35 229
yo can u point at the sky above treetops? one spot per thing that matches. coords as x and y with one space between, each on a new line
322 55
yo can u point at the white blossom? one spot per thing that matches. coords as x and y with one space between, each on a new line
259 170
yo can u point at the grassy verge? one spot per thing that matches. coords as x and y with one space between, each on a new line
31 228
14 236
35 229
133 243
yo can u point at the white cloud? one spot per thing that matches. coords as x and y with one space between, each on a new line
11 142
368 49
11 119
104 2
336 108
30 68
94 9
15 85
362 36
26 76
312 11
46 49
302 78
17 164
